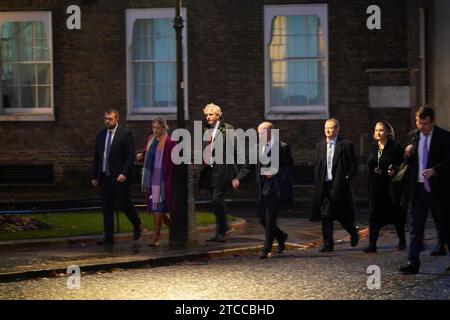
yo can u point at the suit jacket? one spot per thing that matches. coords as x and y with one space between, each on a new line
121 155
345 166
218 175
281 184
438 159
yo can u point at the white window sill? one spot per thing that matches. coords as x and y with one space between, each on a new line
297 116
27 117
148 116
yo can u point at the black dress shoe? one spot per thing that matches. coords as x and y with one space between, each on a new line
105 242
410 269
265 255
326 249
370 249
282 244
354 239
137 232
441 251
448 269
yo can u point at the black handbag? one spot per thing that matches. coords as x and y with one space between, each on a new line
402 173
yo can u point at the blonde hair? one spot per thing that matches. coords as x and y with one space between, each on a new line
214 108
335 121
161 121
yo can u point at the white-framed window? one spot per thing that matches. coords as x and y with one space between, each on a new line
26 63
296 61
151 63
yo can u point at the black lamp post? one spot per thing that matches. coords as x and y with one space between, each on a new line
179 215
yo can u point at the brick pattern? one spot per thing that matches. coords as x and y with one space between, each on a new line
226 66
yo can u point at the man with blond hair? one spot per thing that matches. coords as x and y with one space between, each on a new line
216 174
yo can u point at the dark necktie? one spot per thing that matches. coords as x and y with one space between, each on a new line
108 148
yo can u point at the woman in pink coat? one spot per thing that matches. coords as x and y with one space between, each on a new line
157 176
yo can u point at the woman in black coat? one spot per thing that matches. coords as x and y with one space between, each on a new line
385 157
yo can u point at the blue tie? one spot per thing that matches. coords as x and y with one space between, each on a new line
108 148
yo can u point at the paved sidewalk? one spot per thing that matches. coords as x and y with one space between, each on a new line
51 257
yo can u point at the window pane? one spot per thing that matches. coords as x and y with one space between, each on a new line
44 97
8 42
296 25
142 97
296 54
171 49
142 73
10 97
173 95
279 72
28 95
297 46
43 73
313 46
142 47
41 50
153 39
22 44
27 74
279 95
7 73
154 63
161 96
160 73
298 94
297 71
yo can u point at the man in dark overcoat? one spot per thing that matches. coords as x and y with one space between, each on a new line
335 166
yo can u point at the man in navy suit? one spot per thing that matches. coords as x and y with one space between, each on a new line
112 170
429 159
273 185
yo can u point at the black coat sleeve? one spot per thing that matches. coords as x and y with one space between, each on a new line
128 165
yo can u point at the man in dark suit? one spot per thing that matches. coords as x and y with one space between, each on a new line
335 166
216 174
429 157
112 170
273 183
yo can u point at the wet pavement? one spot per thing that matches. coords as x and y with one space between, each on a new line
230 270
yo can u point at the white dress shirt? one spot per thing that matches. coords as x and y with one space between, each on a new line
420 153
330 155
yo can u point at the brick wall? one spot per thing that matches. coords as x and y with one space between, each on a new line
226 66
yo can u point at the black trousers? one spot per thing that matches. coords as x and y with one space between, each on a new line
424 201
441 242
268 213
397 215
112 191
218 203
328 217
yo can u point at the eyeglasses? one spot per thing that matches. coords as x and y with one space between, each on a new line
109 118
